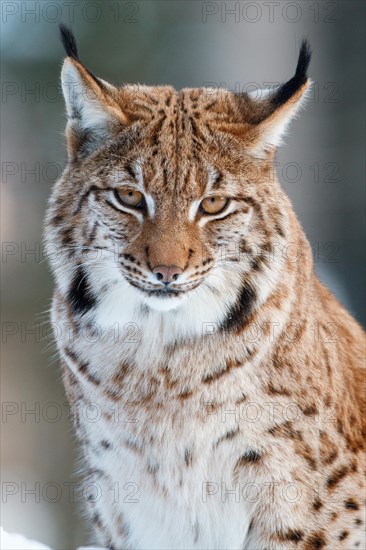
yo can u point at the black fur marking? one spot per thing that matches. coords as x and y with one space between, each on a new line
68 41
67 236
294 535
285 91
130 171
114 207
317 504
80 294
288 89
93 232
152 468
241 309
84 369
84 197
315 541
343 535
227 437
130 258
218 180
351 504
188 457
250 457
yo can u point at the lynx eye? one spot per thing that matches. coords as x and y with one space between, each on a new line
214 204
130 197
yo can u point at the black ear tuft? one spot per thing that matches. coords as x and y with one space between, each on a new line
303 61
69 42
288 89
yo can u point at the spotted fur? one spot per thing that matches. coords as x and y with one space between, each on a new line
231 409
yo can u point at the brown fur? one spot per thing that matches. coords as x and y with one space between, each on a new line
315 360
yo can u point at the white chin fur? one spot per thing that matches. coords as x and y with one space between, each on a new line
164 304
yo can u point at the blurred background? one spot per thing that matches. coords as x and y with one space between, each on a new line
238 45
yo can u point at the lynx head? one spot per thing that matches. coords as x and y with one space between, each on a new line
169 206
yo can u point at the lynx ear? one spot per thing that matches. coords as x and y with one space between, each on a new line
272 111
93 113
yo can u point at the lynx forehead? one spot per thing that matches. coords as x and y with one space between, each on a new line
186 310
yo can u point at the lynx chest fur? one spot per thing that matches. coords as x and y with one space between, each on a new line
217 388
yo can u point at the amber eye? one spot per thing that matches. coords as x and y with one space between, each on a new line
129 197
214 205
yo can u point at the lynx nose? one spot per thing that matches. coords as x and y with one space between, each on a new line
167 273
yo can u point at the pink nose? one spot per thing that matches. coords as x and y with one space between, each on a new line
167 273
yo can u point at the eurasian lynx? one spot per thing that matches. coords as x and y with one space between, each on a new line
226 381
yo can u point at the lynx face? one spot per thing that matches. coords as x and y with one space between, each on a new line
169 201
